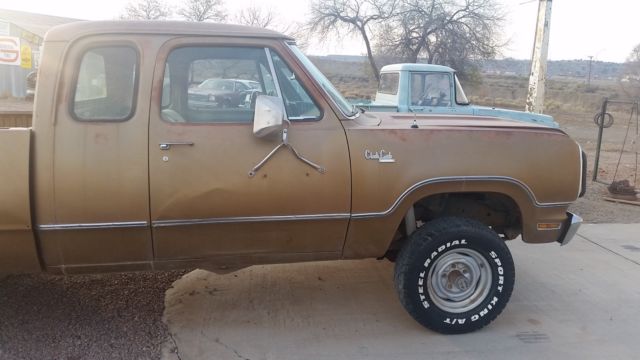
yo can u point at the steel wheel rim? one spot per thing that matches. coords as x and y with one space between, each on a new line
459 280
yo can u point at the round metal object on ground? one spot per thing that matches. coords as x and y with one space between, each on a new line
459 280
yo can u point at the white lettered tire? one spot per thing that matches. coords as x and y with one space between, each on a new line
454 275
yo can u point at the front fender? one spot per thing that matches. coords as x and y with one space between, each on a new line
370 234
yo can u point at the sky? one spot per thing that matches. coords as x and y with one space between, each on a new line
608 31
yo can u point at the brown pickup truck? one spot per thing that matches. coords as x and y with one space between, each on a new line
128 167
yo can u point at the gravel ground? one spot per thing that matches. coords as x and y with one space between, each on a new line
114 316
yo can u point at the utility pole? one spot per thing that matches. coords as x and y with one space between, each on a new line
535 96
589 78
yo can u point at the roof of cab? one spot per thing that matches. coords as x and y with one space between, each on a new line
416 67
78 29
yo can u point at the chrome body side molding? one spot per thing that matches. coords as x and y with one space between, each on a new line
310 217
247 219
107 225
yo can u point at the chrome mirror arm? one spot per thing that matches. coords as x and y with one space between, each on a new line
285 143
318 168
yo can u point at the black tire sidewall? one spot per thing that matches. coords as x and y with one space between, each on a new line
416 296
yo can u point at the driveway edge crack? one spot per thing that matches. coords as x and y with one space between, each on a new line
609 250
231 349
175 345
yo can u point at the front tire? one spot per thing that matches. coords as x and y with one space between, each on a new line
454 275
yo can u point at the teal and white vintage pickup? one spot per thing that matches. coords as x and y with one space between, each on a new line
427 88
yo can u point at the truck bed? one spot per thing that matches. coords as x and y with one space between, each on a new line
17 241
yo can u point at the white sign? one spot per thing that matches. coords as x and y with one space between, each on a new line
9 50
4 28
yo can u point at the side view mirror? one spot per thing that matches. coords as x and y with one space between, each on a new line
269 116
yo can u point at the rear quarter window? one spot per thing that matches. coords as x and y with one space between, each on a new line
389 83
106 83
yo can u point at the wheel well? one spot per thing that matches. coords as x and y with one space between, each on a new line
496 210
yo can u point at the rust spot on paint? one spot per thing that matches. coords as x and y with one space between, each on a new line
399 134
100 139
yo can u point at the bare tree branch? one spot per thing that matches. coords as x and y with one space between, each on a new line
146 10
630 81
351 17
448 32
203 10
255 16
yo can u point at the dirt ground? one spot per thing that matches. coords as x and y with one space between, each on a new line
9 104
592 207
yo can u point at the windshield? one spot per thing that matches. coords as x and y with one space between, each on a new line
343 104
461 98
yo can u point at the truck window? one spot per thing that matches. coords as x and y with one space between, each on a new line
430 89
106 84
297 101
461 97
214 84
389 83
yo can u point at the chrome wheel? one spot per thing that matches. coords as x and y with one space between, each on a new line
459 280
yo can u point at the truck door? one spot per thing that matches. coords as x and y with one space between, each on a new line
100 160
204 201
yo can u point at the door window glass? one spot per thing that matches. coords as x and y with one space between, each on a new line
214 84
105 88
430 89
297 101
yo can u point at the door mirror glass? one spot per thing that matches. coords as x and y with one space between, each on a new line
269 116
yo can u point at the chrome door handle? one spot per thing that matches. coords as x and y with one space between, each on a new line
168 145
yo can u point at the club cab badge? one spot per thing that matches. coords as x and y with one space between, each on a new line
382 156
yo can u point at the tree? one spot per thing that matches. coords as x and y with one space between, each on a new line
255 16
268 19
447 32
203 10
632 67
146 10
631 74
353 17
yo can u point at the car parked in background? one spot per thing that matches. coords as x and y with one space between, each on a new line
223 93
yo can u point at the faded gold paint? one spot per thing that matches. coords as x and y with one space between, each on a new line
17 243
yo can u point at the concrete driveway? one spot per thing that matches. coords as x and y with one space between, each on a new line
581 301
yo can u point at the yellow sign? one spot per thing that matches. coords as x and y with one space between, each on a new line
25 57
